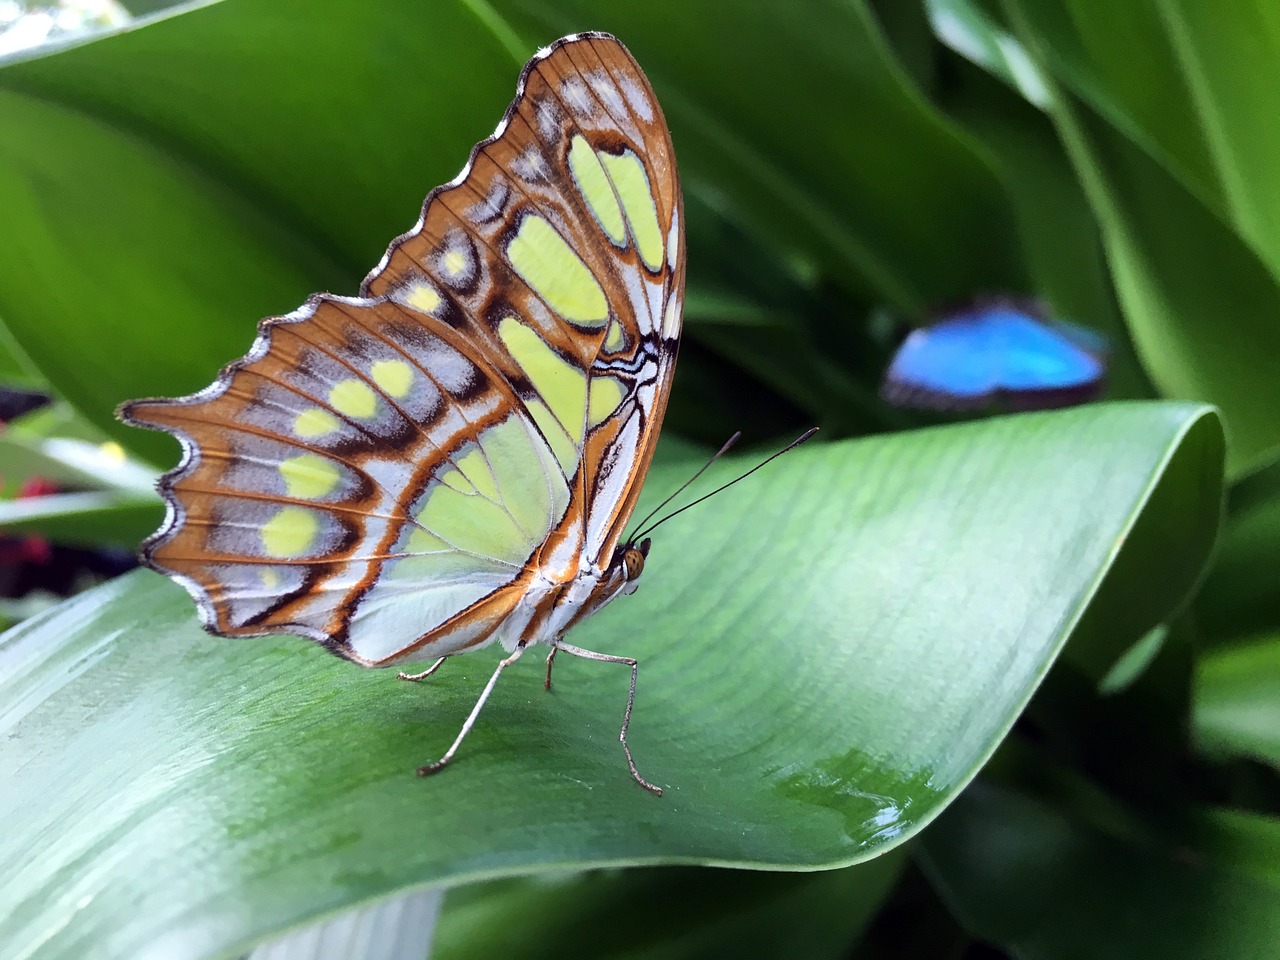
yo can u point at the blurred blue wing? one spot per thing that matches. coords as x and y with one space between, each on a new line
968 359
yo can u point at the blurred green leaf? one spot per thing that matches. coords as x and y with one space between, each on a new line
15 369
1241 595
1119 59
840 161
844 641
1237 702
971 32
75 463
398 928
705 913
1181 81
83 519
1249 841
1199 302
1025 875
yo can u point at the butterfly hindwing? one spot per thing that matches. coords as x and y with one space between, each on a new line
390 475
319 466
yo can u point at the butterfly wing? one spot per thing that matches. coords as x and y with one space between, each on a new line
389 475
965 360
576 203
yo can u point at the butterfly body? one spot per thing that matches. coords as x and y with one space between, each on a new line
969 358
449 460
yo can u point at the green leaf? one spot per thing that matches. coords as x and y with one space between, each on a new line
971 32
397 928
1025 875
83 519
1199 298
15 368
76 463
705 913
1237 700
202 171
1192 93
1241 594
809 126
167 186
1119 59
827 655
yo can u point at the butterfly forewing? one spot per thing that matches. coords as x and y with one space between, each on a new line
391 475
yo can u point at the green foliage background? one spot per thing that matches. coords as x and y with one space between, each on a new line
831 653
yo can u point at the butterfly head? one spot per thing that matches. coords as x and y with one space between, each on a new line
628 564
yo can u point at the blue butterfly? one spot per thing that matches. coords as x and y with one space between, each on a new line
993 350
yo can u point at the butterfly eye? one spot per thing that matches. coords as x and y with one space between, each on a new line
633 560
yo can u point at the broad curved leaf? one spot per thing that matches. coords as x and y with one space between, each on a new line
829 654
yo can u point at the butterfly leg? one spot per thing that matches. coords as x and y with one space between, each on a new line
551 658
471 718
631 699
424 674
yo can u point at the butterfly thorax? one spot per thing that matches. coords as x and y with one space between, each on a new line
555 605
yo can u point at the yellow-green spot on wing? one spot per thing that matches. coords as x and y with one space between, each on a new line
566 454
562 385
421 296
528 477
314 423
632 185
424 541
394 377
556 274
354 398
454 479
442 569
309 476
593 183
476 469
454 262
290 533
615 340
606 394
474 525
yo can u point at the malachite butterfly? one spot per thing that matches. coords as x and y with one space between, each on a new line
449 460
997 350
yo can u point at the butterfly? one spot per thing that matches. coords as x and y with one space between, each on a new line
449 460
997 349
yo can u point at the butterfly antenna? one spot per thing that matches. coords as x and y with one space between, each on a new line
790 446
728 445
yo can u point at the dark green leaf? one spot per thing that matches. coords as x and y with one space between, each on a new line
1237 705
705 913
1024 874
1199 299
